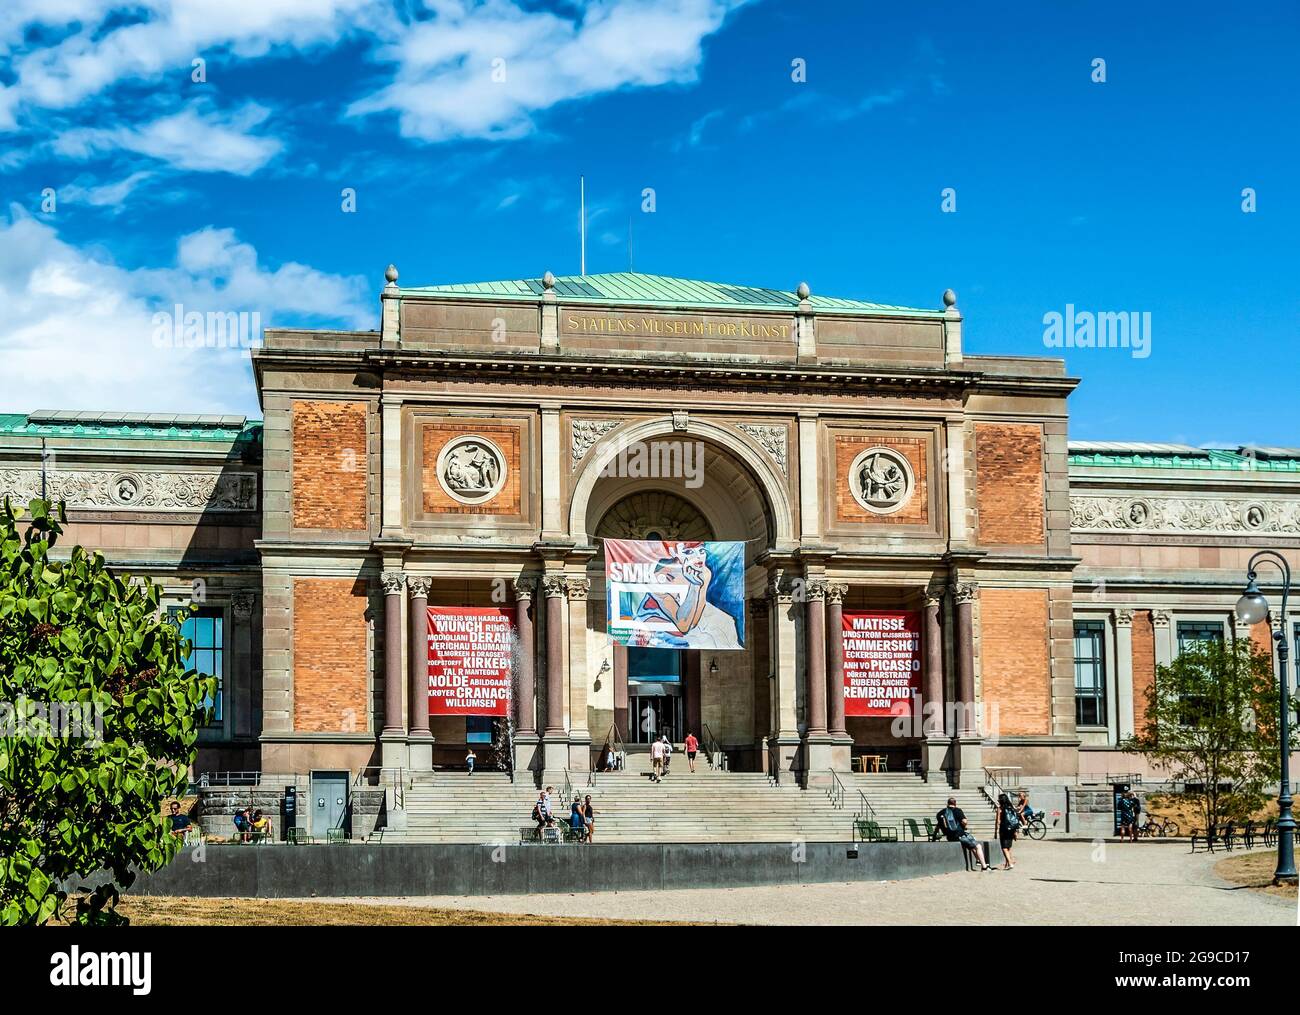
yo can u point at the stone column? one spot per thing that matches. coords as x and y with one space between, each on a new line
393 736
1124 704
936 746
579 736
815 647
420 739
841 744
556 747
525 693
784 743
552 460
239 696
835 657
969 767
1163 623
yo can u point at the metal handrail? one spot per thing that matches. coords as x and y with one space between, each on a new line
990 779
230 778
400 781
836 792
712 747
613 742
865 810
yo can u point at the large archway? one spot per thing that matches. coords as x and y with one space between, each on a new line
723 697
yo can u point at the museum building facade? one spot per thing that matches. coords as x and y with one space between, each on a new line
478 447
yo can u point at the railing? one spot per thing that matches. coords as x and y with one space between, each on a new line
865 811
991 780
712 748
836 792
396 779
613 742
207 779
773 762
568 791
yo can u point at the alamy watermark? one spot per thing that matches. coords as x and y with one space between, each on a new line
59 720
179 328
1102 329
667 459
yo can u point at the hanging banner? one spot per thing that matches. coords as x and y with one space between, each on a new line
675 594
882 661
470 651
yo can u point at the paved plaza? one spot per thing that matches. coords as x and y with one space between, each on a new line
1158 884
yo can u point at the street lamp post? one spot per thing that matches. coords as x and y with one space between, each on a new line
1252 608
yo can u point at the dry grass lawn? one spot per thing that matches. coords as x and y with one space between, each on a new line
154 911
1254 870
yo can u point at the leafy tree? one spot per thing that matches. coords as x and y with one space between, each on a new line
1211 721
99 717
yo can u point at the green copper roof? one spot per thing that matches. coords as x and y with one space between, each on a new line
635 287
139 426
1117 455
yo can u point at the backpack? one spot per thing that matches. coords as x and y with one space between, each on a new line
1010 818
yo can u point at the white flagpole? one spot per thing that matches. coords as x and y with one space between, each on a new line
582 224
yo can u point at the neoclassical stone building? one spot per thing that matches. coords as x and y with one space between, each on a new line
477 448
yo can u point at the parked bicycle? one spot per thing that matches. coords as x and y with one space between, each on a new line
1159 827
1036 826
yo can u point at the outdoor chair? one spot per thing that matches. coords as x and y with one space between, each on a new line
911 828
931 830
871 831
334 836
299 837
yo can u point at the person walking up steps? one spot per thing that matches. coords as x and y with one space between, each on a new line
692 747
668 752
656 761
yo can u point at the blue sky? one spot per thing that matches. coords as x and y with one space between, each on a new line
225 194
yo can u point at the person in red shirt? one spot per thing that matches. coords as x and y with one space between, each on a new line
692 745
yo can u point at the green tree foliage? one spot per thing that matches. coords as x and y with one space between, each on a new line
100 718
1212 723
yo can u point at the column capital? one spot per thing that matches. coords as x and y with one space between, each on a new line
780 590
815 590
934 593
241 604
835 592
577 588
1123 618
965 592
418 585
554 586
525 587
1161 618
393 582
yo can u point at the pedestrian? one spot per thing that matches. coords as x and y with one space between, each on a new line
1127 816
577 820
1135 806
1008 825
692 747
656 761
589 813
952 823
541 813
668 752
469 760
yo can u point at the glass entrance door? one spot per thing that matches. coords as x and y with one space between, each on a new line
654 694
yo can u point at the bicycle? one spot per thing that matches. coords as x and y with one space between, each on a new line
1159 827
1036 826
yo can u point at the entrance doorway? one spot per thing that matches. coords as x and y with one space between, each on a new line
654 693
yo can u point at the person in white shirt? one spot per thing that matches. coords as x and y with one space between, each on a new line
668 752
656 760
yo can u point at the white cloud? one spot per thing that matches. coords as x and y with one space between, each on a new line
104 195
78 330
163 40
198 139
483 70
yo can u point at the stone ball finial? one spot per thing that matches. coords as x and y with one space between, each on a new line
949 298
803 292
391 274
548 281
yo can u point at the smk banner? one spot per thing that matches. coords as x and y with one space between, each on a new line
470 653
882 661
675 594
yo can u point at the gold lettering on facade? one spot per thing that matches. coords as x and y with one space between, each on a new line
582 324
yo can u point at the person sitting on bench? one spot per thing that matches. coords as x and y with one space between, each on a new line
952 823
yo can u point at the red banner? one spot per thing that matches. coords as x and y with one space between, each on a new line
882 661
470 651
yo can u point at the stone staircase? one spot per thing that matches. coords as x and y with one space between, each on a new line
704 806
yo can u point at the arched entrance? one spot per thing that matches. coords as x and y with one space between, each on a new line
723 697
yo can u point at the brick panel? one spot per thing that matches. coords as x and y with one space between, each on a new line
329 465
1144 666
507 437
329 655
1014 659
917 509
1009 483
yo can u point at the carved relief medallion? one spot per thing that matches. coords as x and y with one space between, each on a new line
471 469
881 480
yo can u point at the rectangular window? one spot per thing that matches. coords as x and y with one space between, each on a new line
1190 632
478 729
205 630
1090 672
